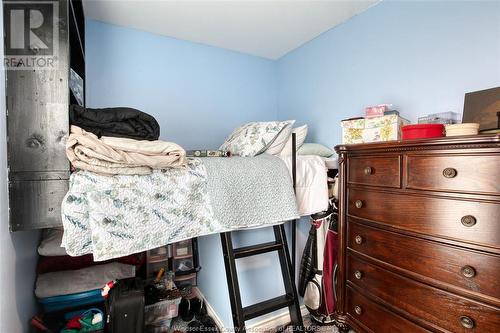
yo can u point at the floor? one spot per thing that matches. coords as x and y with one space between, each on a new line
314 327
181 326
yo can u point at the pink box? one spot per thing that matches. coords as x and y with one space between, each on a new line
375 111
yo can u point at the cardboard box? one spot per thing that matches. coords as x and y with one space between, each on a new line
385 128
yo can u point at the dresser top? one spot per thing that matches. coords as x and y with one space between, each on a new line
447 142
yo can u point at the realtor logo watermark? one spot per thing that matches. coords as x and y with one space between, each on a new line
31 34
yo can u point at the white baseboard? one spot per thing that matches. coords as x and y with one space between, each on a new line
280 319
211 311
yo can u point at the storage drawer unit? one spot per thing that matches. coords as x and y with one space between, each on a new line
180 257
182 281
423 245
181 265
182 248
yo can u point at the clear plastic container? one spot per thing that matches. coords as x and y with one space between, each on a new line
183 248
162 326
183 264
158 254
162 311
182 281
440 118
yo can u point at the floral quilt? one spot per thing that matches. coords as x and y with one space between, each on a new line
114 216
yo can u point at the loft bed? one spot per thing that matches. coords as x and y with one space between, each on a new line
129 196
114 216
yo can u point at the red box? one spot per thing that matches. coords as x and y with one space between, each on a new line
423 131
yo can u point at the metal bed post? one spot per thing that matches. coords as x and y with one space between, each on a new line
294 182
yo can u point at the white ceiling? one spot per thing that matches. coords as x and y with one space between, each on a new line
266 28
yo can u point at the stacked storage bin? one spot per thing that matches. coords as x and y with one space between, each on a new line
73 284
180 258
185 262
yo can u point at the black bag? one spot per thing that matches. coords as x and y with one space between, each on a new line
125 307
307 267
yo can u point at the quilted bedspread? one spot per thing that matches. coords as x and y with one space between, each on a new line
114 216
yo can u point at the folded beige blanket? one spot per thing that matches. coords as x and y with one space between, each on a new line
113 156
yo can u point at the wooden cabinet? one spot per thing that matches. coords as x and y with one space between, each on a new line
38 124
419 235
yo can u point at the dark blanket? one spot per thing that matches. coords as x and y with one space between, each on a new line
67 263
118 122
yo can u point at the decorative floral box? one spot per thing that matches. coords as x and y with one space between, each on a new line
352 130
385 128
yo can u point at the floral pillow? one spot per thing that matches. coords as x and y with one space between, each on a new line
253 138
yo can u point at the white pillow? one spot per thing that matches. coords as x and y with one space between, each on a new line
253 138
300 137
279 143
51 243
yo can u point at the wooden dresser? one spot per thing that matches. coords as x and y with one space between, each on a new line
419 235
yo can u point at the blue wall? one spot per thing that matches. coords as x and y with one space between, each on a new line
421 56
204 89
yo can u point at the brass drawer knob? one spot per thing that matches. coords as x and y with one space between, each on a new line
450 172
358 275
358 203
358 239
358 310
368 170
468 220
467 322
468 271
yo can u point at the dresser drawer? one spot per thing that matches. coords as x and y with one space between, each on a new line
468 221
443 310
456 173
473 271
375 318
377 171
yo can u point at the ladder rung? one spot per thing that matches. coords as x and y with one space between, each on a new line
253 250
268 306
